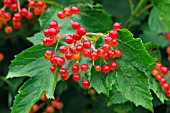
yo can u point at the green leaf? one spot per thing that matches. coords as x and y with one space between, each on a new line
158 21
154 85
116 97
123 108
129 78
31 63
95 20
150 36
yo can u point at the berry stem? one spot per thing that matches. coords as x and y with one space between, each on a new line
93 63
131 5
145 9
96 34
63 22
105 61
83 75
19 7
3 8
56 45
68 18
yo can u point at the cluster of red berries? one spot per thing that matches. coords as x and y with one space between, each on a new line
77 45
158 72
39 8
167 36
57 103
1 56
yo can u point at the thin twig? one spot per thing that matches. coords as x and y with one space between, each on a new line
131 6
56 45
96 34
83 75
3 8
145 9
63 22
19 7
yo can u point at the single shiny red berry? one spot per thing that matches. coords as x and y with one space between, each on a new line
93 55
113 33
75 25
87 44
105 68
117 26
164 70
63 72
76 36
76 77
61 15
63 49
69 39
67 11
98 68
69 56
75 68
158 65
85 83
82 31
86 53
75 9
53 24
79 48
118 53
53 68
48 54
84 67
106 47
113 65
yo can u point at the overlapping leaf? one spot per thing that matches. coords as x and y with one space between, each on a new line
129 78
32 64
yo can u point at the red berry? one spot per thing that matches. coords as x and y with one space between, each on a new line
75 25
168 93
1 56
40 4
168 36
35 107
82 31
53 68
14 7
63 72
7 16
24 11
101 52
66 77
118 53
76 36
52 32
59 105
69 39
67 11
86 53
106 47
75 9
113 33
69 56
7 2
61 15
85 83
105 68
75 68
84 67
53 60
63 49
53 103
158 66
60 61
165 86
53 24
48 54
114 42
98 68
8 29
18 16
105 56
31 4
79 48
76 56
158 77
162 81
117 26
87 44
155 72
93 55
29 15
112 54
73 49
43 98
49 41
37 11
164 70
113 65
50 109
108 40
76 77
17 25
